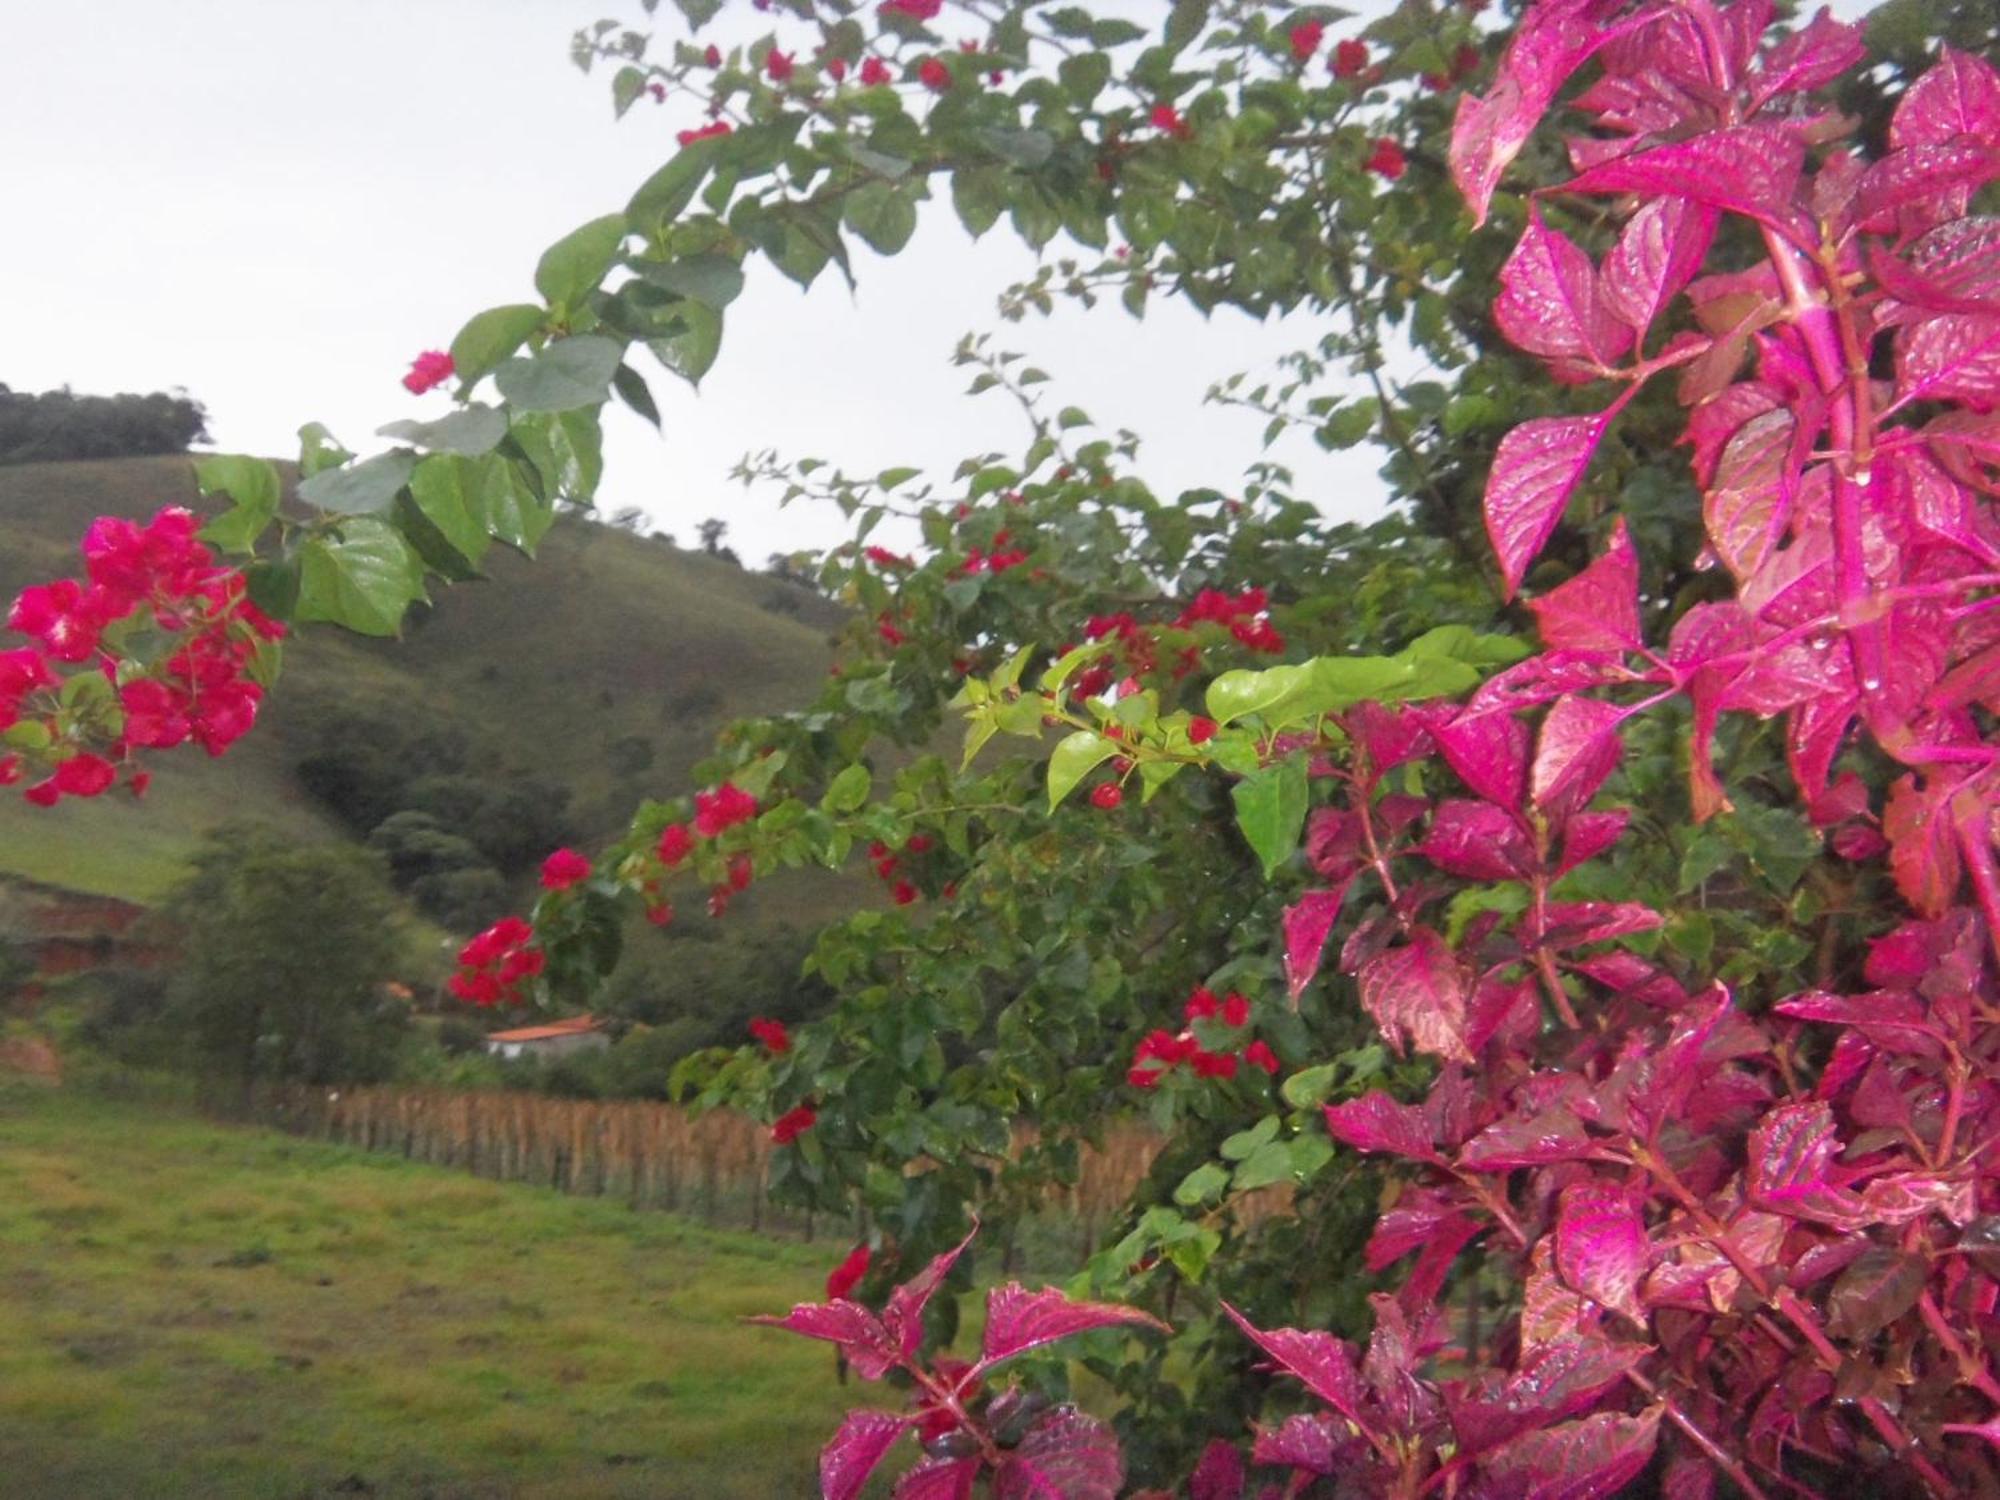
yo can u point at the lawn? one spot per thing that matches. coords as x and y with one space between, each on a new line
189 1309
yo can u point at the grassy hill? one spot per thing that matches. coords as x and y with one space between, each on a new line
606 666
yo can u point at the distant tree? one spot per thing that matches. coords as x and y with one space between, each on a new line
286 948
712 532
628 518
60 425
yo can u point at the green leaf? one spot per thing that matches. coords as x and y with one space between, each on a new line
1245 1143
882 214
1076 756
978 194
1083 76
663 196
473 430
574 265
1020 148
440 491
567 374
1203 1184
1309 1086
360 489
252 484
712 280
1269 1163
513 511
847 791
1271 810
1186 22
364 579
888 479
626 87
490 336
1234 694
634 392
319 450
690 354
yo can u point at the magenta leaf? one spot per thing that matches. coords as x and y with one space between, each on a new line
863 1340
1418 992
1578 748
1747 503
1219 1474
1565 1380
1477 841
1018 1320
1549 302
1919 176
862 1442
1535 470
1324 1363
1923 846
1959 96
1375 1122
1601 1245
1791 1159
1583 1460
1596 612
1811 57
938 1479
1537 1139
1310 1442
1751 170
903 1317
1064 1456
1588 835
1571 924
1307 923
1489 751
1952 357
1657 254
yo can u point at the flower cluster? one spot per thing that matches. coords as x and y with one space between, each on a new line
1162 1051
1246 615
428 371
772 1034
792 1124
198 685
493 965
886 863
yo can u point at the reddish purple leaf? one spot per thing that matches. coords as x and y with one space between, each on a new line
1064 1456
1814 55
1923 845
1953 268
1597 1456
1375 1122
1920 176
1601 1245
1324 1363
1881 1285
866 1344
1959 96
1549 302
1308 1441
1746 505
1657 254
1537 1139
1791 1158
903 1317
1896 1023
1578 748
1588 835
1535 470
1952 357
1219 1474
1596 612
1489 751
864 1439
1018 1320
1751 170
938 1479
1477 841
1568 1378
1307 923
1571 924
1418 991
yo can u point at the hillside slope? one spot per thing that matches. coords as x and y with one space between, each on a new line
605 666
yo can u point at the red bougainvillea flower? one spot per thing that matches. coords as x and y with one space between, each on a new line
1350 58
778 66
904 893
721 809
874 73
934 75
740 873
1200 730
1201 1005
1387 159
658 91
1259 1055
1213 1064
1235 1011
713 128
563 869
882 557
428 370
793 1123
1107 797
493 964
772 1034
886 628
660 913
84 775
10 769
1305 39
846 1276
918 843
1168 119
676 843
66 617
836 68
713 56
915 10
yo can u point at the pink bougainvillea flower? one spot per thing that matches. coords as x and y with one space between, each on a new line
886 629
874 72
563 869
85 775
741 872
934 75
772 1034
713 56
1386 160
428 370
793 1123
846 1276
676 843
722 809
778 66
882 557
836 68
1350 58
1168 119
1305 39
915 10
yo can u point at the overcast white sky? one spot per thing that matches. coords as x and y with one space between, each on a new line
277 203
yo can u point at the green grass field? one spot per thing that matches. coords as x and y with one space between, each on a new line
188 1309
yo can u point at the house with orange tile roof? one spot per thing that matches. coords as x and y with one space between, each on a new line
583 1033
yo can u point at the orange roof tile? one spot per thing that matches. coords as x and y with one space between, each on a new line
574 1026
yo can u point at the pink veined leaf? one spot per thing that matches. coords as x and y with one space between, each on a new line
1550 1311
1476 841
1569 1377
1308 1441
1657 254
938 1479
1388 735
1751 170
866 1344
1539 1139
1746 505
864 1439
1219 1474
1974 680
1322 1362
1545 678
1549 302
1923 848
1536 468
1958 96
1064 1456
1790 1163
1578 748
1572 924
1549 45
1587 835
1712 424
1894 1022
1018 1320
1489 751
1583 1460
1418 991
1375 1122
1308 921
903 1317
1952 268
1598 610
1601 1245
1953 357
1921 175
1814 55
1420 1217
